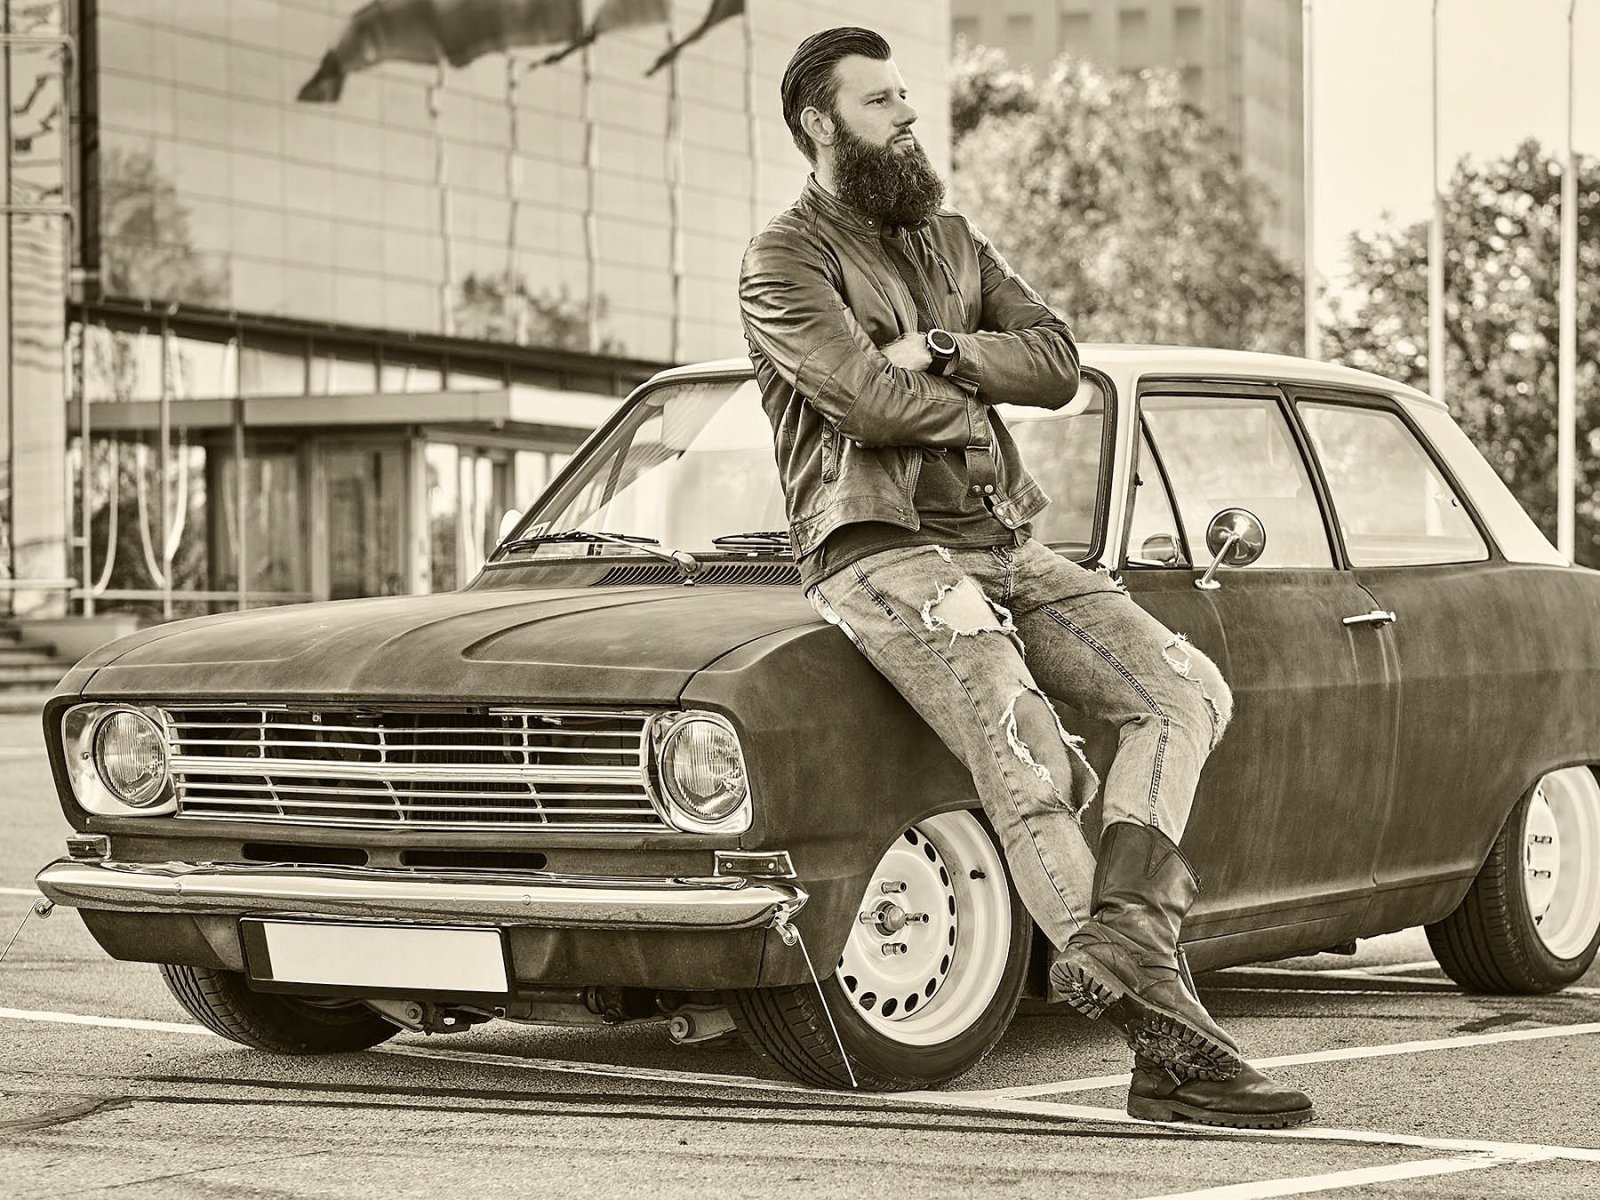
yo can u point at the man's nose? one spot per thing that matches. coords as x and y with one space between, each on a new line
907 117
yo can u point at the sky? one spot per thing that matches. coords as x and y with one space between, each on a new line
1502 77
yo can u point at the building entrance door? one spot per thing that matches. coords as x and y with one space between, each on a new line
363 520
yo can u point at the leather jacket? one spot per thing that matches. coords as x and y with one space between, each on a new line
820 291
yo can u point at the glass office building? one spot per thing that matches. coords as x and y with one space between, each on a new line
295 349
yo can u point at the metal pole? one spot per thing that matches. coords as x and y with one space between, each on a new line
591 189
240 557
752 123
516 310
1313 337
1567 339
80 375
1436 244
163 467
674 173
441 179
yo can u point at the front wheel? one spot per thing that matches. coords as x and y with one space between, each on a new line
1531 920
930 974
224 1003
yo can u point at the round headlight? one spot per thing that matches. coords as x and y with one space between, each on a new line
703 770
131 757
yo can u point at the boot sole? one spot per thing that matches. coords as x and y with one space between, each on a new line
1168 1110
1159 1035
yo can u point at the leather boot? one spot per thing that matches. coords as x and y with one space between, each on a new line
1250 1100
1123 962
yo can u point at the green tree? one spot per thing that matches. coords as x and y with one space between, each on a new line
1501 274
1120 203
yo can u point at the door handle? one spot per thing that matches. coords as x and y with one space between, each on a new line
1376 618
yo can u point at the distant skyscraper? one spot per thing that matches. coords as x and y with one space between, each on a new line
1240 62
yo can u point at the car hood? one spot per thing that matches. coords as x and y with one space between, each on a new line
597 645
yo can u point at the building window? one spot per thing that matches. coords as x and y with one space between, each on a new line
1133 39
272 369
1188 33
1019 35
1077 28
343 371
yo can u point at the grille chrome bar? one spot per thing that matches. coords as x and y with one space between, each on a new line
509 768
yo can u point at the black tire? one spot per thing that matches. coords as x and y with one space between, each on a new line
1490 943
788 1026
223 1002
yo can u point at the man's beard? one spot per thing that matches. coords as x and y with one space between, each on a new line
899 187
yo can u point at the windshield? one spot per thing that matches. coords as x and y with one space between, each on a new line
692 462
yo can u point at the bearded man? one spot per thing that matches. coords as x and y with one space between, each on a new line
883 329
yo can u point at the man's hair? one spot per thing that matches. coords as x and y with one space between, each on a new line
809 80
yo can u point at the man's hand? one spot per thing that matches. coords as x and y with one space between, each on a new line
909 351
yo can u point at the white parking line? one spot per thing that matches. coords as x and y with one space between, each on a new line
11 891
1341 1054
1340 973
1356 1177
59 1018
991 1103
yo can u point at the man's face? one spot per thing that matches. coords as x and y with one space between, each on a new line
878 165
871 102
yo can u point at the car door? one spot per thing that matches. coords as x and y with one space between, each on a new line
1467 640
1286 829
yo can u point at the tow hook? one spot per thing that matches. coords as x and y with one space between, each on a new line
699 1023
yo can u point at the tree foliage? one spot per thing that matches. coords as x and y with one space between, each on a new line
1501 275
1121 204
504 308
146 247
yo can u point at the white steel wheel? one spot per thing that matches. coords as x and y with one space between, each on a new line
1530 922
934 1004
1561 860
929 948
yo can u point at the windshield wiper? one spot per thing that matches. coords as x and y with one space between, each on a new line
776 540
682 559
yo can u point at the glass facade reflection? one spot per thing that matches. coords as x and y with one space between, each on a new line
455 203
292 350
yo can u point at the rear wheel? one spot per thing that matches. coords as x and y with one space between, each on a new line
1531 920
929 978
223 1002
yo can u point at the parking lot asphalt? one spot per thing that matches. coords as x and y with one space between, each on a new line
107 1087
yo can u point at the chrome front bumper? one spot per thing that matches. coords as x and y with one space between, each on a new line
526 898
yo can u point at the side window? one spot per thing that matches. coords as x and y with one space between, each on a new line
1236 451
1393 505
1153 536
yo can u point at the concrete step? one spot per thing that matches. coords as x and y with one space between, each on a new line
19 655
13 675
23 700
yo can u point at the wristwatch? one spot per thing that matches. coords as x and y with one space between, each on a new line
942 349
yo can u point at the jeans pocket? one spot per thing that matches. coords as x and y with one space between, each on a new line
826 611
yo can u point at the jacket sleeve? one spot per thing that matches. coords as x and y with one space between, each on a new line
795 318
1025 353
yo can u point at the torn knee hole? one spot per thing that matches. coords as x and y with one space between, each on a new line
1179 655
1044 723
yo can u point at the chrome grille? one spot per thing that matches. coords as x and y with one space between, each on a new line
509 768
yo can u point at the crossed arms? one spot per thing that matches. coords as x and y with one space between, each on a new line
793 315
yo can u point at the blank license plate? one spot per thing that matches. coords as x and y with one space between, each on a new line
376 956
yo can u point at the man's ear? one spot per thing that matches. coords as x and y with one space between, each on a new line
819 126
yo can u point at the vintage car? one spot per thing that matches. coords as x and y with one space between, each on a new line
627 774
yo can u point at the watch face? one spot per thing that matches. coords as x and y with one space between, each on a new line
940 342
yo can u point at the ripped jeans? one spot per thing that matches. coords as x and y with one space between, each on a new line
975 639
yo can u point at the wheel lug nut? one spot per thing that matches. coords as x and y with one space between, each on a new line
916 918
890 886
890 949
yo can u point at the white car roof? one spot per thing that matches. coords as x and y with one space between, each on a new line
1124 360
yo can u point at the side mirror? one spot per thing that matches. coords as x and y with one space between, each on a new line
508 523
1236 537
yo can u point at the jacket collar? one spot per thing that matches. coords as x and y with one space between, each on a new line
836 210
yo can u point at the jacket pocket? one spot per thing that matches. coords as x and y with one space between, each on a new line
830 453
